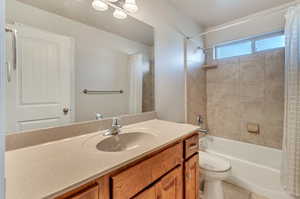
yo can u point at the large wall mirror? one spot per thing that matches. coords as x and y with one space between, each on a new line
67 62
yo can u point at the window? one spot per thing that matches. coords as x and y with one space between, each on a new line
235 49
270 43
250 46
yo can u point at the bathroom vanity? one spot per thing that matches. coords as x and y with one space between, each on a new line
160 161
169 173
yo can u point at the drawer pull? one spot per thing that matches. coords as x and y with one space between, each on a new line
188 175
193 146
169 185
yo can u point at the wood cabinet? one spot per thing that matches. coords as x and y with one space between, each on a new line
149 193
191 173
134 179
169 173
90 193
169 187
191 146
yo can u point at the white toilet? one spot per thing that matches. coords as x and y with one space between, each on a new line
215 169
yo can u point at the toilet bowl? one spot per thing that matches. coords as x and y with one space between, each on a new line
215 169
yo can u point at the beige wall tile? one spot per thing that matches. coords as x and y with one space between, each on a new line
252 69
247 89
226 72
273 113
275 65
196 89
274 91
272 135
252 91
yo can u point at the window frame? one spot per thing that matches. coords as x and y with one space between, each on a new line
253 41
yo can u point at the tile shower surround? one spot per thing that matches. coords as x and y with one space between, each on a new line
244 89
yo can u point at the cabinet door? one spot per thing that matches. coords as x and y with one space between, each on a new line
131 181
192 178
150 193
91 193
170 186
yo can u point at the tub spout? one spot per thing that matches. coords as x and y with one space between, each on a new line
204 131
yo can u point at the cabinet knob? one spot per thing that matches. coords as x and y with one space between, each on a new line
158 195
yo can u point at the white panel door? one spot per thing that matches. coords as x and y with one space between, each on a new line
39 86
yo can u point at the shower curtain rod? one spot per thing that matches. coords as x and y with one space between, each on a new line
278 10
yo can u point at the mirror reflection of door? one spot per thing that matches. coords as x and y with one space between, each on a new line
39 83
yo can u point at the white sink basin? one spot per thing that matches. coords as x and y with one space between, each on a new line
124 142
127 140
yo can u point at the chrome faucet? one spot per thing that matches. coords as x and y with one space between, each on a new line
115 127
200 122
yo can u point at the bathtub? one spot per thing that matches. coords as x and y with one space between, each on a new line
255 168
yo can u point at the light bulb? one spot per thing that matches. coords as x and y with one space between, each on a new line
130 6
120 14
99 5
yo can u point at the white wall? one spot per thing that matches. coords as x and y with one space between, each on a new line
2 91
103 69
100 59
170 27
267 21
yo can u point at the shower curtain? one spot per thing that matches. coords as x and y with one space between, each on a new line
136 66
290 174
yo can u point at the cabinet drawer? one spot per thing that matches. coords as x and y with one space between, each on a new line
191 146
90 193
133 180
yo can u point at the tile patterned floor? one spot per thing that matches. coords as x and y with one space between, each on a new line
234 192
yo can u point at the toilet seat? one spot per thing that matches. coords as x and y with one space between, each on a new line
213 163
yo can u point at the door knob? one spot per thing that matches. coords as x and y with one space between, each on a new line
66 111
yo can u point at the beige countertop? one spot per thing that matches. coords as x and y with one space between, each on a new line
47 170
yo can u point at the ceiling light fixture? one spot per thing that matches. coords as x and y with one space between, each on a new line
130 6
119 14
122 7
99 5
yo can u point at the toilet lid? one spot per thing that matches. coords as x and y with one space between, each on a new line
214 163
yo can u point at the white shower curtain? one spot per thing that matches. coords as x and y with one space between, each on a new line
290 174
136 68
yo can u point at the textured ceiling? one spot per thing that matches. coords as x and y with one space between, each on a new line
82 11
215 12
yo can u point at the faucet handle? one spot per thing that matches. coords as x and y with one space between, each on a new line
99 116
116 122
199 120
